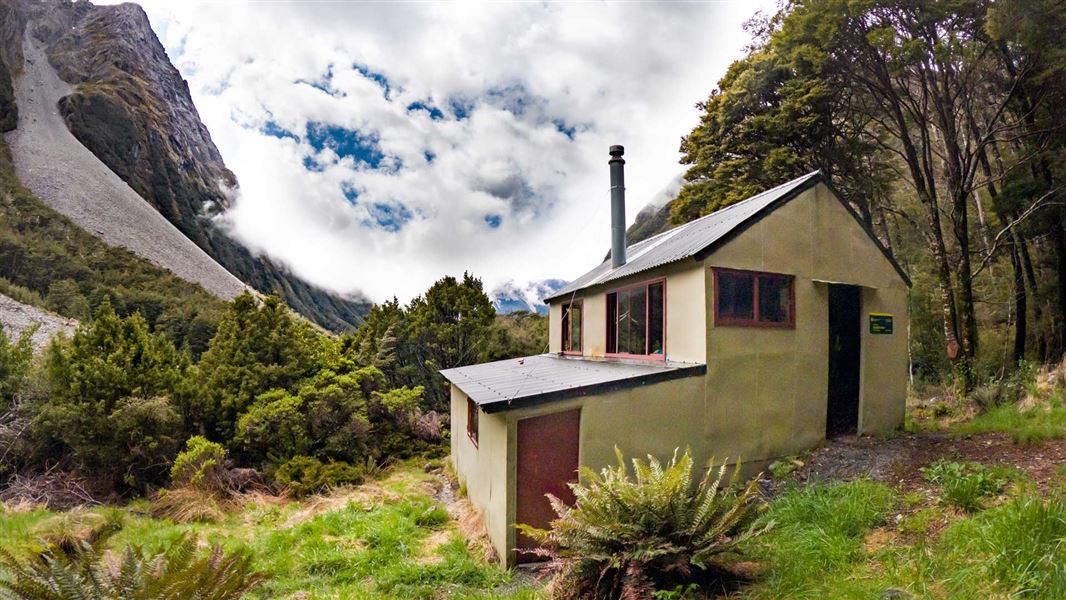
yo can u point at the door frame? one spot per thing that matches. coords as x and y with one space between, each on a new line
861 363
512 463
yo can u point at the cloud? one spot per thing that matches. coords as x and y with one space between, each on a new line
380 146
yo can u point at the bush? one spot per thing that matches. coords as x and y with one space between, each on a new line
177 573
304 475
627 534
966 485
201 465
274 428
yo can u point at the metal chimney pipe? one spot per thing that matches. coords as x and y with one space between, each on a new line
618 207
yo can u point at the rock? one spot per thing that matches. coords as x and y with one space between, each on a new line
895 594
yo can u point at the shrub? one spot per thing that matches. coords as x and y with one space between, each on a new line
626 534
273 428
966 485
179 572
304 475
145 431
201 465
337 416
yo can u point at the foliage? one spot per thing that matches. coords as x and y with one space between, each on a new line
966 485
258 347
108 404
200 465
15 360
303 475
627 532
176 573
274 427
449 326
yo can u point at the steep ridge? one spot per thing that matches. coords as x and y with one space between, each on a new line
132 108
52 163
129 106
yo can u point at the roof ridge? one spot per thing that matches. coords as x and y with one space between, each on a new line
728 207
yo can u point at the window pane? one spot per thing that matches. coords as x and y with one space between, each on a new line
632 318
736 296
612 323
575 328
774 298
655 319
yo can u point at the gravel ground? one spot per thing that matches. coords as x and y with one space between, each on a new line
15 317
898 460
52 163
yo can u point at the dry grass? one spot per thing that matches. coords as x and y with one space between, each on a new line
368 495
69 530
189 505
472 527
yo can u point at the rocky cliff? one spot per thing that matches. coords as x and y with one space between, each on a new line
131 108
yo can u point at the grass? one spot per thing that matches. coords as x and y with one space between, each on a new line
389 540
968 485
1025 426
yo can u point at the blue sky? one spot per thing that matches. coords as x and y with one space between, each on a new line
380 146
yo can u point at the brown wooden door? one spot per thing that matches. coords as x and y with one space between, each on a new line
547 462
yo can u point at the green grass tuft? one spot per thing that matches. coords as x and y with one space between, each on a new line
1029 426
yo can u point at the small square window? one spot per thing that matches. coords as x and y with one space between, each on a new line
753 299
471 420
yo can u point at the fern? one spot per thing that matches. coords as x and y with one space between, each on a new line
85 574
628 531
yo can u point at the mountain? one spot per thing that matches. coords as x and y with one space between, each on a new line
511 297
101 72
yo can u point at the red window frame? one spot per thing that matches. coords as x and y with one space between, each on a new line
471 421
754 321
647 307
566 327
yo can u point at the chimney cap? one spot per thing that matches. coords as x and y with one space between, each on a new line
616 150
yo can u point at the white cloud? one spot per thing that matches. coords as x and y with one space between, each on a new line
532 76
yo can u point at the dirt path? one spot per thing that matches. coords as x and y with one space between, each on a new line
52 163
897 461
16 317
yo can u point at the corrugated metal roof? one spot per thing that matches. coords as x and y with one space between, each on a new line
686 240
517 382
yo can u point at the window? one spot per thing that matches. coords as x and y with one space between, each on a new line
636 318
572 324
471 421
751 299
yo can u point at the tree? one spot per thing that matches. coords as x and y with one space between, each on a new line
108 410
259 346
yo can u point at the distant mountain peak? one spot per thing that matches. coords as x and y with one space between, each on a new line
511 297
